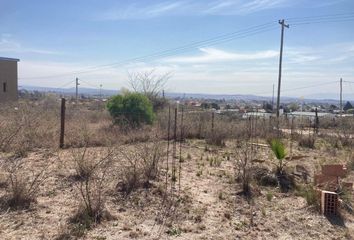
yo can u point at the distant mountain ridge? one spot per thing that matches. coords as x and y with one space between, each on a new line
316 98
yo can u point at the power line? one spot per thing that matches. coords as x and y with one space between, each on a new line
315 22
327 16
66 84
212 41
310 86
89 84
299 88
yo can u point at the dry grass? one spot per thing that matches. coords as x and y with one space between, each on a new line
93 181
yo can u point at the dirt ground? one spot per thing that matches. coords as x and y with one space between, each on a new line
208 206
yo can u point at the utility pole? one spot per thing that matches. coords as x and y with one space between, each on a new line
77 88
282 23
273 99
340 96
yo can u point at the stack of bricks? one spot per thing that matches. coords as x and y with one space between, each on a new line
329 203
329 179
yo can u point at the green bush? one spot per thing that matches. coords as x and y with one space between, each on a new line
131 108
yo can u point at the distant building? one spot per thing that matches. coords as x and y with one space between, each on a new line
257 114
310 115
8 79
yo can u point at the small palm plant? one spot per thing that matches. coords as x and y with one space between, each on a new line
279 151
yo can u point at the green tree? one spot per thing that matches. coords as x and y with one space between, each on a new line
347 106
205 105
293 107
131 108
215 106
268 107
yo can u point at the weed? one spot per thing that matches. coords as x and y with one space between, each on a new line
240 225
264 213
269 196
310 194
174 231
215 162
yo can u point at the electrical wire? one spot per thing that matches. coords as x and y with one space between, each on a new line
174 51
250 31
328 16
315 22
66 84
97 87
298 88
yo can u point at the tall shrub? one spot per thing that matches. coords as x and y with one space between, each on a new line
131 108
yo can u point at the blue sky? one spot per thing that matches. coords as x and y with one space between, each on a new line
52 38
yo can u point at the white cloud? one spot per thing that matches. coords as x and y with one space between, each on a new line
212 55
244 7
188 7
212 70
141 10
55 74
135 11
8 45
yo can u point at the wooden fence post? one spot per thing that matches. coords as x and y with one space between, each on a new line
212 122
62 123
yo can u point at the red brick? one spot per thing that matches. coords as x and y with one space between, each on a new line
327 182
337 170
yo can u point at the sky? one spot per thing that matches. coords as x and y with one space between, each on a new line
101 42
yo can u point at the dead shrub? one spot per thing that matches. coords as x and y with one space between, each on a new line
22 188
217 138
195 125
307 142
141 135
27 126
141 166
243 165
8 133
91 167
264 177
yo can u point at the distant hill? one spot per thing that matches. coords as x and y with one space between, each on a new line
315 98
70 91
